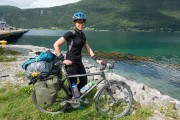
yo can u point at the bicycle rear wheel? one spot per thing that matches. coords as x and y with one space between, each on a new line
115 100
58 106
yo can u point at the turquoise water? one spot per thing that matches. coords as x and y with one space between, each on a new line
162 74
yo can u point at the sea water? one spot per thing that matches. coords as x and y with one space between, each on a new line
163 73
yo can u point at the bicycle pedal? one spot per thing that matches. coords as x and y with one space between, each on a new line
80 107
86 101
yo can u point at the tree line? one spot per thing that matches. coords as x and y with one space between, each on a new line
126 15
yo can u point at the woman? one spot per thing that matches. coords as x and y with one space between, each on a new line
75 42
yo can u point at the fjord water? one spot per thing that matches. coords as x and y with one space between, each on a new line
162 74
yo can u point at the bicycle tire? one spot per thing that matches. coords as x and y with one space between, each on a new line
59 106
120 106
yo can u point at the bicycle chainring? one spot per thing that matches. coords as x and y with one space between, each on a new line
75 103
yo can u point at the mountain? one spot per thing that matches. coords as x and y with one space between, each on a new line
4 10
101 14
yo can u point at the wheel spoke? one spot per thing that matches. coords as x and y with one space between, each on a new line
115 101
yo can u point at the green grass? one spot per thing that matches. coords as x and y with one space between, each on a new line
16 104
5 52
7 58
4 55
169 110
21 75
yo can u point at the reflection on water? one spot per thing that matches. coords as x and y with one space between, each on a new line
162 74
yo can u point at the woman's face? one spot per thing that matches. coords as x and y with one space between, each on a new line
80 24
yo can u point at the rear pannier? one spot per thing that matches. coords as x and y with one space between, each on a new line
46 91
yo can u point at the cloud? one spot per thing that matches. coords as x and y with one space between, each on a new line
36 3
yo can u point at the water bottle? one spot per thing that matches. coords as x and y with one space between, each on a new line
86 87
75 90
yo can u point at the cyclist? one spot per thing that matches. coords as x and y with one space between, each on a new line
75 42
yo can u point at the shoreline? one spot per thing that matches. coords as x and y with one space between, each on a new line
142 94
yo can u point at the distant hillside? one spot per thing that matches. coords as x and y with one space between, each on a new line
4 10
102 14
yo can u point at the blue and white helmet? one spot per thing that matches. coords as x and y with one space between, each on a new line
79 16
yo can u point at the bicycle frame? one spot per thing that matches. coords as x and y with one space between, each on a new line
101 73
118 92
108 88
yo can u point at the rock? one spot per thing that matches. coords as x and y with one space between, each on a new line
177 105
157 116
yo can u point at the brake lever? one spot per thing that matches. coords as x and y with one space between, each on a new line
110 66
58 63
103 66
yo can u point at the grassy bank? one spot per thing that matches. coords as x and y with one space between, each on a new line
6 55
16 104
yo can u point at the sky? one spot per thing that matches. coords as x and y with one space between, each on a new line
25 4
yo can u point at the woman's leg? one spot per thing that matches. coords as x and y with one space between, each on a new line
83 80
77 69
72 70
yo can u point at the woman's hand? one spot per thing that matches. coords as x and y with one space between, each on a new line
101 62
67 62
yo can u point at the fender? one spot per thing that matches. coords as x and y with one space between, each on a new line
110 81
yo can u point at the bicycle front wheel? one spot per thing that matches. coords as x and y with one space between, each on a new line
58 106
114 100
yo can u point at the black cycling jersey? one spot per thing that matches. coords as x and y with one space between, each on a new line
75 44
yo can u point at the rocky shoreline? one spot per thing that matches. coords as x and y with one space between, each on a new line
142 94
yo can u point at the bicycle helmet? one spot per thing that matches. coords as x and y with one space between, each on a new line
79 16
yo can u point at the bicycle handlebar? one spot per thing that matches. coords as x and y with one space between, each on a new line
59 63
108 65
103 66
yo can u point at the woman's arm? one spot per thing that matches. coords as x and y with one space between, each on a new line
88 49
57 45
91 53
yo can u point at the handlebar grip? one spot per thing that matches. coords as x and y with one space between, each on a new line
103 67
110 66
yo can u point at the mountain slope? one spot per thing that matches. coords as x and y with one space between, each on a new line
4 10
103 14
